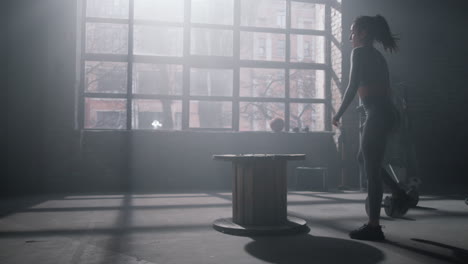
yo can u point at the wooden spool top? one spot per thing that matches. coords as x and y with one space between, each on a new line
250 157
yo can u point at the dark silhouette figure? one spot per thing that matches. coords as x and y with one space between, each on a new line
369 77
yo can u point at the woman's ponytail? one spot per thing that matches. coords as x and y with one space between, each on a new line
383 34
378 30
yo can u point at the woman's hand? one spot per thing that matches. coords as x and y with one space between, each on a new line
336 121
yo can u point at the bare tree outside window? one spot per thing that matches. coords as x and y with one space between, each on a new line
307 116
256 116
258 82
307 83
105 77
158 79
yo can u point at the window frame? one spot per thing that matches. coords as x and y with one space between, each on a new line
188 61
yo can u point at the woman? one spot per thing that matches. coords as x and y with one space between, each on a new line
370 78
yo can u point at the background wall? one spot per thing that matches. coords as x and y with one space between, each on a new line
3 90
45 153
162 161
27 80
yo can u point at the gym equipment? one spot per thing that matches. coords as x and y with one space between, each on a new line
411 188
414 197
392 207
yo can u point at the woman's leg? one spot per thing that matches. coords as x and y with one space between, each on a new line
391 118
389 181
386 178
373 149
360 160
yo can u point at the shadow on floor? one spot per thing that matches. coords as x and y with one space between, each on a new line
306 248
460 255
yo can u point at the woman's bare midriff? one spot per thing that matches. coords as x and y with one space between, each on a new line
365 91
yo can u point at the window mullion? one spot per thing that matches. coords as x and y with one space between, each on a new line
236 70
328 72
186 67
287 69
81 97
130 64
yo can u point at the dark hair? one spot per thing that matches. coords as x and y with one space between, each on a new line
377 29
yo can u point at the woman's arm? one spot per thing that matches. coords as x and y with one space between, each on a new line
353 84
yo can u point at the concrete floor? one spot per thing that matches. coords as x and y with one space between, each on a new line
176 228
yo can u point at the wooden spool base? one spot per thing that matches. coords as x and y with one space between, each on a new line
293 225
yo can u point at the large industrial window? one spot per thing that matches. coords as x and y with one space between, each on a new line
231 65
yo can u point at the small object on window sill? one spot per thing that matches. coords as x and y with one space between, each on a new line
305 129
156 124
277 124
296 130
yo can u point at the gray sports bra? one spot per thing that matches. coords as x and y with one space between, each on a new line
374 69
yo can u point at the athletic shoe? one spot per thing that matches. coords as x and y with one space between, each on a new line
367 232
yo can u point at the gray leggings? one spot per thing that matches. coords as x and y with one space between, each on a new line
379 122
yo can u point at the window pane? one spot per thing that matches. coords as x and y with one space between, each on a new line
106 38
214 42
307 48
213 11
256 116
105 113
215 82
157 79
207 114
336 25
105 77
336 59
157 114
307 83
107 8
307 16
161 41
262 46
263 13
307 115
261 82
336 96
160 10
